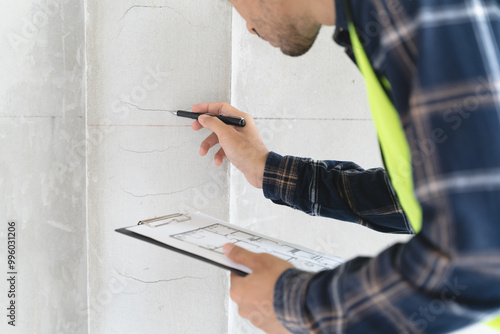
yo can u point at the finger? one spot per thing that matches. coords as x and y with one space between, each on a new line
236 280
219 157
211 108
208 143
217 108
234 276
240 255
196 126
216 125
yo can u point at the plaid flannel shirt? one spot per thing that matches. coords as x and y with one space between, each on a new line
442 59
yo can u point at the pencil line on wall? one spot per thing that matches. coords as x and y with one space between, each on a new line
142 125
311 119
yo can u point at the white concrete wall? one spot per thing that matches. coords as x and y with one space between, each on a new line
42 170
144 163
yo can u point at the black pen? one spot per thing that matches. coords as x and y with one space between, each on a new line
228 119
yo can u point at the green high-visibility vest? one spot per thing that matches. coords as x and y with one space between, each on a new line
394 145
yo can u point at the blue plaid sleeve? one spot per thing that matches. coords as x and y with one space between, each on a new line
442 60
335 189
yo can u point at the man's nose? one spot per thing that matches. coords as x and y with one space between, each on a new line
251 29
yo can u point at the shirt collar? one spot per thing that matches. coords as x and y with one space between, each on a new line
341 34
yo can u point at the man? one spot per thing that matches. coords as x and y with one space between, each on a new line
435 64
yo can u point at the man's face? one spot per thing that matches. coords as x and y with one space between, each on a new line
283 23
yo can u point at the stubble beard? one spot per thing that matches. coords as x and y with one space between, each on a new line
295 43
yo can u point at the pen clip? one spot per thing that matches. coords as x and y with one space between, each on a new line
232 116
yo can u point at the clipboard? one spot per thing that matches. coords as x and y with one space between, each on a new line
201 237
167 219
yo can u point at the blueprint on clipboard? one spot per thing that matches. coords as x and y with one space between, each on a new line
204 237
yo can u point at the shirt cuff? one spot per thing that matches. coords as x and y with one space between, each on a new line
280 178
289 299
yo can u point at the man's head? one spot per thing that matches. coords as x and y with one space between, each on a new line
291 25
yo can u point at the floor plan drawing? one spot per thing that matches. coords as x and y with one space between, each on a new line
213 238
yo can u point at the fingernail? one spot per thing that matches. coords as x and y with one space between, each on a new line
228 248
201 118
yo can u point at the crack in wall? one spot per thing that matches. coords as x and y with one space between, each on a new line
165 194
151 109
153 151
20 116
143 109
161 280
159 7
146 6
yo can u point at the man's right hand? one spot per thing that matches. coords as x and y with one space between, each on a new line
243 146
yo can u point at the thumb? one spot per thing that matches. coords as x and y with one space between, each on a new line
240 255
213 123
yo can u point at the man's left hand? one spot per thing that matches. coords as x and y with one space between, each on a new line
254 293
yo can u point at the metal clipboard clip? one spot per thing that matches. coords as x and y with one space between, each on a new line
175 217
